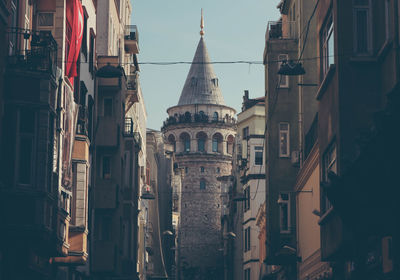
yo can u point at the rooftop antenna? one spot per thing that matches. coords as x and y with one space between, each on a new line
202 23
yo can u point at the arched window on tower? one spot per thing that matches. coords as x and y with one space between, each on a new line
217 143
171 140
229 144
201 141
215 117
185 139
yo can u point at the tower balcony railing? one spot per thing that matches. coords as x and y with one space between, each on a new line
281 30
32 50
197 118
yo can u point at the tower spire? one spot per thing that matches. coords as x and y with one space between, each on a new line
202 23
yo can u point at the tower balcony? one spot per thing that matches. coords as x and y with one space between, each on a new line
131 39
197 120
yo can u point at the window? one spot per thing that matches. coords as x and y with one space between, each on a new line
247 239
107 107
186 170
328 46
283 79
193 82
202 169
258 155
105 226
91 51
284 148
185 139
26 139
329 164
387 20
84 36
202 184
187 145
245 132
215 81
362 27
106 167
215 116
201 144
284 212
217 143
247 274
247 197
218 170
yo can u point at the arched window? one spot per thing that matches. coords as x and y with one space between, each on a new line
185 138
201 141
215 116
217 143
229 146
202 184
202 169
171 140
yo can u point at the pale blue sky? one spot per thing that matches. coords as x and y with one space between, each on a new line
169 31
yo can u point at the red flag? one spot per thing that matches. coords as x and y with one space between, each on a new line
75 22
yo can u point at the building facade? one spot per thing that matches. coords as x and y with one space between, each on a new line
202 130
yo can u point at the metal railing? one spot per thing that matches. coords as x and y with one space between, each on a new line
128 127
197 118
32 50
131 82
131 33
281 30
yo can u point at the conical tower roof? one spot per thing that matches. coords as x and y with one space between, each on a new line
201 86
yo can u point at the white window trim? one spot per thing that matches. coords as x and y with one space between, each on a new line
288 140
369 28
283 78
280 214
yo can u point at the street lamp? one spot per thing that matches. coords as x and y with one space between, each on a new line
147 193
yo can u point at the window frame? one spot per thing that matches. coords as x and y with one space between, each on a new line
329 163
109 174
257 151
280 134
282 58
327 33
281 209
247 239
368 9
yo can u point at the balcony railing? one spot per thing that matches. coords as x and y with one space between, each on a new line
82 124
32 50
281 30
131 39
128 127
197 118
131 33
131 82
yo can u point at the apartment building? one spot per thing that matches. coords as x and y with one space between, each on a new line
44 207
358 91
120 146
281 145
251 126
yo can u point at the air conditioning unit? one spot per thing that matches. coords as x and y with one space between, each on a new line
295 157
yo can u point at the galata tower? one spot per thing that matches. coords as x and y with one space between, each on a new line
202 130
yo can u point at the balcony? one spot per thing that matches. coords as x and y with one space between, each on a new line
31 50
82 123
197 119
277 30
131 91
131 39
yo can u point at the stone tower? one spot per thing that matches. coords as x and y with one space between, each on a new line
202 129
